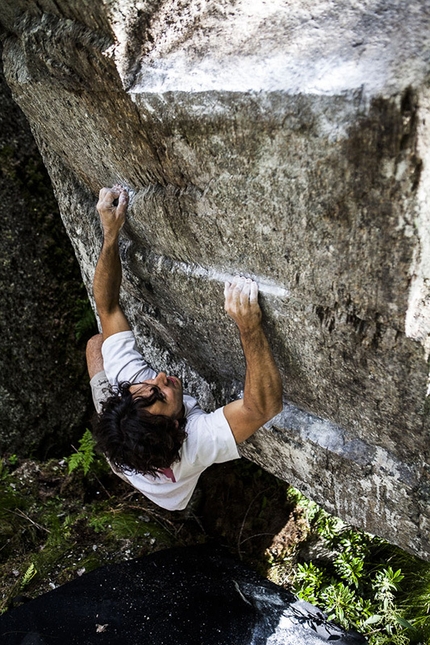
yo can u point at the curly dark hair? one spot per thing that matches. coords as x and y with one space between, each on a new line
133 438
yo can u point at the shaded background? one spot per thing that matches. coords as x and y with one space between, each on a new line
45 316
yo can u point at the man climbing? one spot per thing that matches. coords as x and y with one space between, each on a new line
153 435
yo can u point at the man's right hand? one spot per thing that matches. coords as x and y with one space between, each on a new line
262 396
112 217
241 303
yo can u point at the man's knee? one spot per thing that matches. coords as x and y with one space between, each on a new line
95 341
94 355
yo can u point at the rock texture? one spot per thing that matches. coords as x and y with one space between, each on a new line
287 141
43 383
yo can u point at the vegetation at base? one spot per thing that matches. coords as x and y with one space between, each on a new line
364 583
62 518
55 525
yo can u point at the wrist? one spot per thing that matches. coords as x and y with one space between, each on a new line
110 238
249 331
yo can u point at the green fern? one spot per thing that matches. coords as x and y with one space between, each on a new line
28 576
84 456
356 587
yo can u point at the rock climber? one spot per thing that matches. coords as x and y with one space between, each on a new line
155 436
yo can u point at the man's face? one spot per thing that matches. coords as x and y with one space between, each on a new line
170 387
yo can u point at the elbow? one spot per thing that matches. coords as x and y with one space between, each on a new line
266 405
278 398
269 411
276 404
279 407
275 409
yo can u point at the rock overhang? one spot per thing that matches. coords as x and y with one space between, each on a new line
302 163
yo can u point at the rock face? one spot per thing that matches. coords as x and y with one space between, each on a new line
43 383
287 141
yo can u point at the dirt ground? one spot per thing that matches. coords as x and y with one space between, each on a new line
55 526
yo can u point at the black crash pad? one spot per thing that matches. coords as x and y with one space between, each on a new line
184 596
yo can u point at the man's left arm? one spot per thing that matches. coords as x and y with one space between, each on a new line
108 273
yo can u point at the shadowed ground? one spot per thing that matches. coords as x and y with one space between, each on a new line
191 595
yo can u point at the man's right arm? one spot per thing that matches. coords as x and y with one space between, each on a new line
262 397
108 273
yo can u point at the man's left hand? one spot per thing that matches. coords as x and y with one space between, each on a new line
112 216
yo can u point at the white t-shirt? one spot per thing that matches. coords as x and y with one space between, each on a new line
210 439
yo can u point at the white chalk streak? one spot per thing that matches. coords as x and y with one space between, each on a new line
196 271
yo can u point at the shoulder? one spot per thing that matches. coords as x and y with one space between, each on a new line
121 338
122 360
210 439
192 408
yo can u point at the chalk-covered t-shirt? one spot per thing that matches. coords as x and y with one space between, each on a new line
210 439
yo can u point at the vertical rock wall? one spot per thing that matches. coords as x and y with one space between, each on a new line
287 141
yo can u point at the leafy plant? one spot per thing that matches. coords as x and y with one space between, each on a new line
349 567
341 603
357 587
100 522
416 602
7 465
28 575
309 579
84 456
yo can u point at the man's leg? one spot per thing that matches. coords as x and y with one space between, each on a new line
99 383
94 355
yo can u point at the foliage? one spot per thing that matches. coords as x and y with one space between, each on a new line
84 456
28 575
122 522
85 322
55 525
357 586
